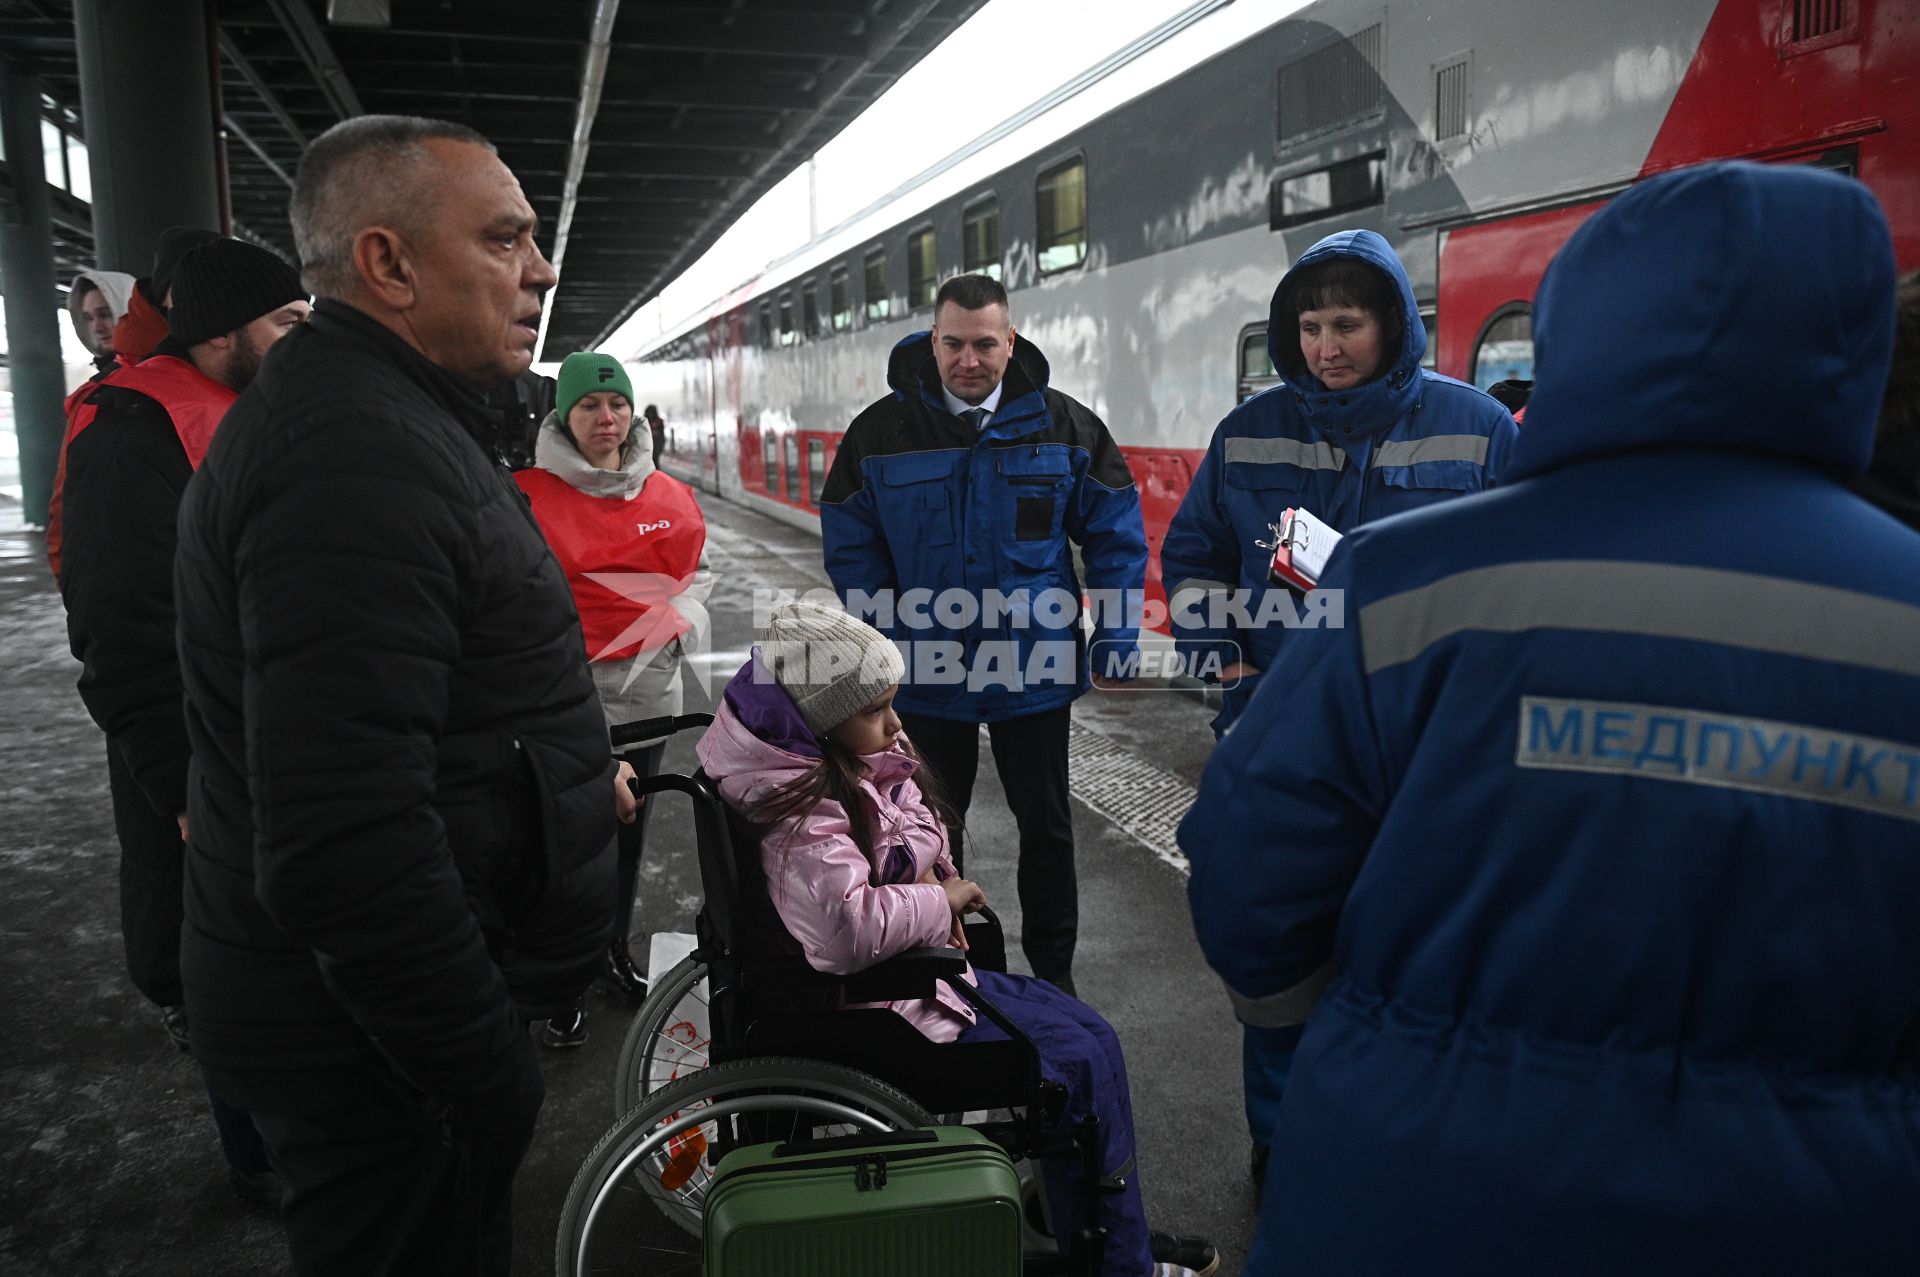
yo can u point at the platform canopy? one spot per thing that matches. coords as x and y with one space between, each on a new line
691 110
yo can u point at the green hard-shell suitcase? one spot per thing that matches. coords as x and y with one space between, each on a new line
941 1202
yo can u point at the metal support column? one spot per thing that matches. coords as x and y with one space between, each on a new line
32 305
150 122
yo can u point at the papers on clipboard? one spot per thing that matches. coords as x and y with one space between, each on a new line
1301 547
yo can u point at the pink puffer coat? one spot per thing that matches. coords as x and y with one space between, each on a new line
823 886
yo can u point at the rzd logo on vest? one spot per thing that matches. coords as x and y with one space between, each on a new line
644 528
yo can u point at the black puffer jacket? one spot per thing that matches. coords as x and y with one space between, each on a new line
402 796
125 474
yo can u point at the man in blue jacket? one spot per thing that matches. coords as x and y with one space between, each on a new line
1358 431
1592 841
948 521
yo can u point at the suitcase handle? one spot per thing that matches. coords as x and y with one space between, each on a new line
863 1142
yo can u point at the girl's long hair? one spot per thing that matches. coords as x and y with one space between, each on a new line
837 776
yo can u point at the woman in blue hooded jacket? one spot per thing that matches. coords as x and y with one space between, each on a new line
1358 431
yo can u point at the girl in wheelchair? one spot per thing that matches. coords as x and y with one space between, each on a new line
805 744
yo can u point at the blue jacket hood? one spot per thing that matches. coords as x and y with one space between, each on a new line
912 373
1389 396
1732 305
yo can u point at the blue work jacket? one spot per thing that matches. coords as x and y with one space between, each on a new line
1588 850
1407 439
930 513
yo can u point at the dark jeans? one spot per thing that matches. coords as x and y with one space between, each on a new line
151 865
1030 753
1079 1050
375 1183
632 840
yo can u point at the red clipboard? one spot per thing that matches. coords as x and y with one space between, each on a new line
1302 544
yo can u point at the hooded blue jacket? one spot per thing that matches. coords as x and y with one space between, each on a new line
1596 831
918 500
1404 440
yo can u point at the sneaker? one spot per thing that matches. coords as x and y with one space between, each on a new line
255 1188
174 1021
622 976
566 1031
1176 1255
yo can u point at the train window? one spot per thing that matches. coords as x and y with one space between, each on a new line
786 319
1818 24
1255 359
839 300
1254 365
1452 84
1331 87
771 451
879 300
1430 320
923 269
816 470
1061 197
810 310
1844 160
1339 188
766 323
1505 349
980 234
792 451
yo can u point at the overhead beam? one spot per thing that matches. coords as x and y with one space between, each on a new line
638 168
297 20
701 90
593 72
524 85
773 38
246 140
231 49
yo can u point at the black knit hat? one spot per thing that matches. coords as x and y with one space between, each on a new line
227 285
174 243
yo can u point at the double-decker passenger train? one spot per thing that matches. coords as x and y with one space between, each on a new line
1141 249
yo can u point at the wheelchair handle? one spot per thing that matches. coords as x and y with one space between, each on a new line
641 786
624 734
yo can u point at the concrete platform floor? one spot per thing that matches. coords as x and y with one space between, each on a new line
108 1160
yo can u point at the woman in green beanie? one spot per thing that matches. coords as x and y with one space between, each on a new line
633 544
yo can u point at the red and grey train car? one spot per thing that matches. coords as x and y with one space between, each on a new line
1141 249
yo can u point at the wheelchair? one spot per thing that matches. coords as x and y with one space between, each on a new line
785 1061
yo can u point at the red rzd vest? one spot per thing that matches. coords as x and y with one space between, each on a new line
626 561
195 401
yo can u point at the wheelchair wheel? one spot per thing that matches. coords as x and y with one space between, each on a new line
662 1152
668 1037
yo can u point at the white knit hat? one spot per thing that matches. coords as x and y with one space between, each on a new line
831 664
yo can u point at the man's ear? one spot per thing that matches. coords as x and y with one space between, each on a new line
385 267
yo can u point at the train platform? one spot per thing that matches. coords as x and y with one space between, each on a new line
111 1165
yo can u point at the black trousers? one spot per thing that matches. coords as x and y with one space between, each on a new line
632 840
376 1184
152 859
1030 754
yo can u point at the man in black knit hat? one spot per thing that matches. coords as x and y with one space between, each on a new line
137 441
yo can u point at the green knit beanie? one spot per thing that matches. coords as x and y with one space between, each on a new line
588 372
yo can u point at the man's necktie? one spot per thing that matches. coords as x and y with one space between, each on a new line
976 417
